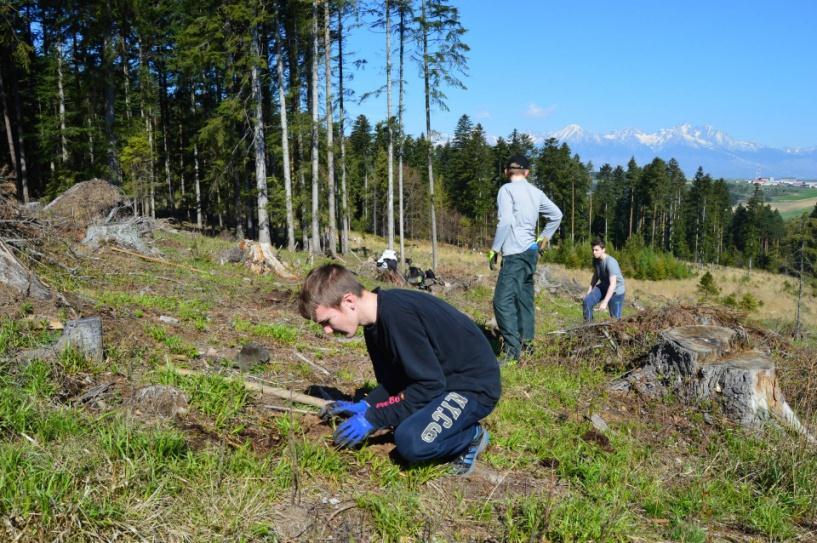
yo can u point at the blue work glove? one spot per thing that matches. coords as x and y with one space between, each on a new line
353 431
492 258
346 408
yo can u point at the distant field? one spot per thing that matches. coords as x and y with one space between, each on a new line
790 209
800 195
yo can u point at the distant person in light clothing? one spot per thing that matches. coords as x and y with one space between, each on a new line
606 286
519 205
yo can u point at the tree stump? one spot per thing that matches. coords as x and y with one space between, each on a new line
260 259
18 277
84 335
710 363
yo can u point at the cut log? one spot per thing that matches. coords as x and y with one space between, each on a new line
18 277
708 363
259 258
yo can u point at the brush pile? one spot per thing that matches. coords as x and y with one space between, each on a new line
20 237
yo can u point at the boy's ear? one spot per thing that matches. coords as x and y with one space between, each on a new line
348 298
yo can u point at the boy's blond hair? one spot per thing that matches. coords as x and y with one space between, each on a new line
326 285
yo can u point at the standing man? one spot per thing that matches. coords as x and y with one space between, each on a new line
519 205
437 376
606 285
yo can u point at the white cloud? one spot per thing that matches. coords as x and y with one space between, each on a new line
536 111
483 114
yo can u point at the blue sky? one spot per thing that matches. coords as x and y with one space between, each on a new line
747 68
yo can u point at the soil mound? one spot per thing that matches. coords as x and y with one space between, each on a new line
84 202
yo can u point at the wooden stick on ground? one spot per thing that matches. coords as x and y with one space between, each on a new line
313 364
289 409
158 260
282 393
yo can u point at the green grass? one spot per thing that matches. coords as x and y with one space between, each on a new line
280 333
191 310
219 398
174 344
18 335
68 471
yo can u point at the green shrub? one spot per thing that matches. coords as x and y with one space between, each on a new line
749 303
707 286
636 260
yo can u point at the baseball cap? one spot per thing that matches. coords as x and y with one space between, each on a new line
518 162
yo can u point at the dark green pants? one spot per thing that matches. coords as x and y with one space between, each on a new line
513 301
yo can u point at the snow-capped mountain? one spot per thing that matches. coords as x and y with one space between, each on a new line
718 153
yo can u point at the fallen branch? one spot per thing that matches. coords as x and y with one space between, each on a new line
273 391
581 327
289 409
313 364
157 260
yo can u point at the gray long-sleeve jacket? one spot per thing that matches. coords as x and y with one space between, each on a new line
519 205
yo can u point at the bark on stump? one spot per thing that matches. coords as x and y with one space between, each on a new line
709 363
84 335
18 277
259 258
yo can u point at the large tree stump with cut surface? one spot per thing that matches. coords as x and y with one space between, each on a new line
711 363
18 277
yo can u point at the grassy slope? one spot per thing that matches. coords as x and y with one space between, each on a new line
234 470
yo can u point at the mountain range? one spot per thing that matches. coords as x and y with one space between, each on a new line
715 151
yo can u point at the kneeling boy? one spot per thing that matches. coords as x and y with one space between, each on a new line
436 372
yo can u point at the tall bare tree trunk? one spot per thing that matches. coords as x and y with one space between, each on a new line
258 143
61 93
344 236
316 240
400 135
196 179
22 174
279 65
430 143
330 145
9 131
632 205
182 202
572 209
390 149
110 90
797 324
152 176
125 76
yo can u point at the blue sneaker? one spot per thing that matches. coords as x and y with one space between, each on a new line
465 463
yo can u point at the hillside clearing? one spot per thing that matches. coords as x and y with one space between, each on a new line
234 469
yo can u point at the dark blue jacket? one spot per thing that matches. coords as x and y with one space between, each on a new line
421 347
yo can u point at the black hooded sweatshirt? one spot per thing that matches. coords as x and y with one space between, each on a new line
421 347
